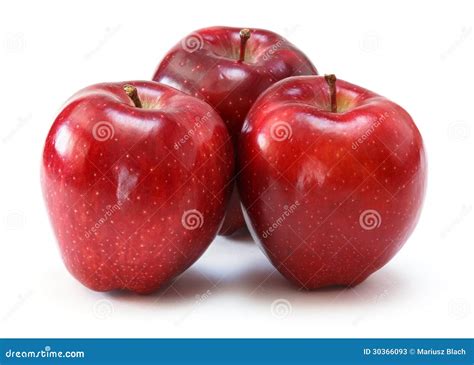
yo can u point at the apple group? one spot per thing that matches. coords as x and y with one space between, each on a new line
236 129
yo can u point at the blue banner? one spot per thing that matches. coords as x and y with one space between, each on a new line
237 351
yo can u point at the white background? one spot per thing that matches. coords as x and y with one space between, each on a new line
418 54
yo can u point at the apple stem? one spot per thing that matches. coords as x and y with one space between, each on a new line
331 81
133 94
244 36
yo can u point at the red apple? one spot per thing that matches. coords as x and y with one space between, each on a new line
136 177
229 68
333 178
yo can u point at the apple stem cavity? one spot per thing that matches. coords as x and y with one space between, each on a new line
331 81
244 37
132 93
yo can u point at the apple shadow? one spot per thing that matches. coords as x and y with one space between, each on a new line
258 280
266 285
186 288
242 235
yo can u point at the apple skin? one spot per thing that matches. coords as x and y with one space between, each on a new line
206 64
129 209
329 197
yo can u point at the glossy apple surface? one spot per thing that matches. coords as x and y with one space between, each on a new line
135 194
330 196
210 65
